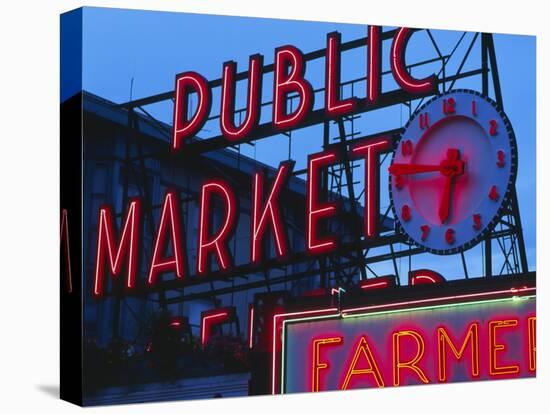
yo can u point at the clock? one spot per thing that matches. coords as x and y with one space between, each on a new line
452 171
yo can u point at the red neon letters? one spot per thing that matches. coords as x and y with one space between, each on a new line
399 68
424 277
183 128
65 244
218 216
370 150
217 243
269 214
127 246
290 57
374 65
380 282
333 105
169 222
293 95
254 99
211 318
250 326
316 210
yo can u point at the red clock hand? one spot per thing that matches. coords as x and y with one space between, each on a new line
404 169
451 167
445 203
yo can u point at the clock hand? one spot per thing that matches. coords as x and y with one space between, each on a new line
404 169
445 203
451 167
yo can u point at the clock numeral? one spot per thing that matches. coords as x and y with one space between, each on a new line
474 108
423 120
477 221
449 106
399 182
500 162
407 148
493 127
493 193
450 236
406 212
425 231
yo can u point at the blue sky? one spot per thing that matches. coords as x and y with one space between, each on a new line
151 47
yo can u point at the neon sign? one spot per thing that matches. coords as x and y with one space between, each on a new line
444 197
290 78
115 246
292 266
469 340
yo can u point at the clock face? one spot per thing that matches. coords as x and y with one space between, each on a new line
452 171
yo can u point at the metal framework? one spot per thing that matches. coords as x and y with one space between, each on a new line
354 260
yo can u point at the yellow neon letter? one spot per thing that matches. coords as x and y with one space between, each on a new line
317 364
443 339
494 348
412 364
363 349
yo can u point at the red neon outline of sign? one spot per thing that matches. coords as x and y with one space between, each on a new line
512 291
259 226
370 150
293 82
64 236
334 106
216 244
165 264
128 240
314 208
254 99
399 67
